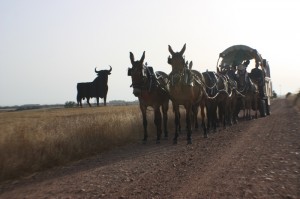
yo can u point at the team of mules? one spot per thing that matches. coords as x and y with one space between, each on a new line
219 95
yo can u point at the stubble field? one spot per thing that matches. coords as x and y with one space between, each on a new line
33 140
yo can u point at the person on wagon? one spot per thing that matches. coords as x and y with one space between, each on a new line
232 72
258 76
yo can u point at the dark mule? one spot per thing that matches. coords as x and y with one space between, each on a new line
202 102
185 88
217 88
195 106
149 87
249 90
229 74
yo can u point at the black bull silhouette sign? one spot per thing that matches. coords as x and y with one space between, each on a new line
97 88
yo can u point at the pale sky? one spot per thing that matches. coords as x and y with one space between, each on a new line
47 46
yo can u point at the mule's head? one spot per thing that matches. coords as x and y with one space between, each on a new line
177 60
138 74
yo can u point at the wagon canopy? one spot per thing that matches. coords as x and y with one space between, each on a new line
236 54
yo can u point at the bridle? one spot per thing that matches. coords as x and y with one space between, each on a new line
140 78
178 68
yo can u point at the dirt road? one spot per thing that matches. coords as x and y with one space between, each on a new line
254 159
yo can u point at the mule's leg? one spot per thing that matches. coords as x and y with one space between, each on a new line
208 113
157 122
230 112
195 114
256 107
214 118
165 108
203 123
224 114
221 108
248 109
143 109
247 114
178 115
188 123
244 110
177 122
237 109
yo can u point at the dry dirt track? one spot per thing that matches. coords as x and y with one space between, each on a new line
254 159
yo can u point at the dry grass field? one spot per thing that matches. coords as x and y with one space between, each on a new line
33 140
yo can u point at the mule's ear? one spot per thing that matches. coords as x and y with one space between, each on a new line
129 71
183 49
191 65
169 60
171 50
131 58
142 58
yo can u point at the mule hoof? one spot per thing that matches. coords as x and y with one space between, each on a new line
205 136
174 141
189 141
144 141
157 141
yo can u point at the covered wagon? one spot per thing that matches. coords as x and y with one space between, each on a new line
239 54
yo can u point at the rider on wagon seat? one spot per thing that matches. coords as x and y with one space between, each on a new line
242 70
232 72
258 76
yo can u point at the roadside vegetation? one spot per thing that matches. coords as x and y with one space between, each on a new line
33 140
293 99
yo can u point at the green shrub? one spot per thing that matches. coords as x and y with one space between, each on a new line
70 104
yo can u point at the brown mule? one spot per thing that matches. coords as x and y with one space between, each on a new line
185 88
149 87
